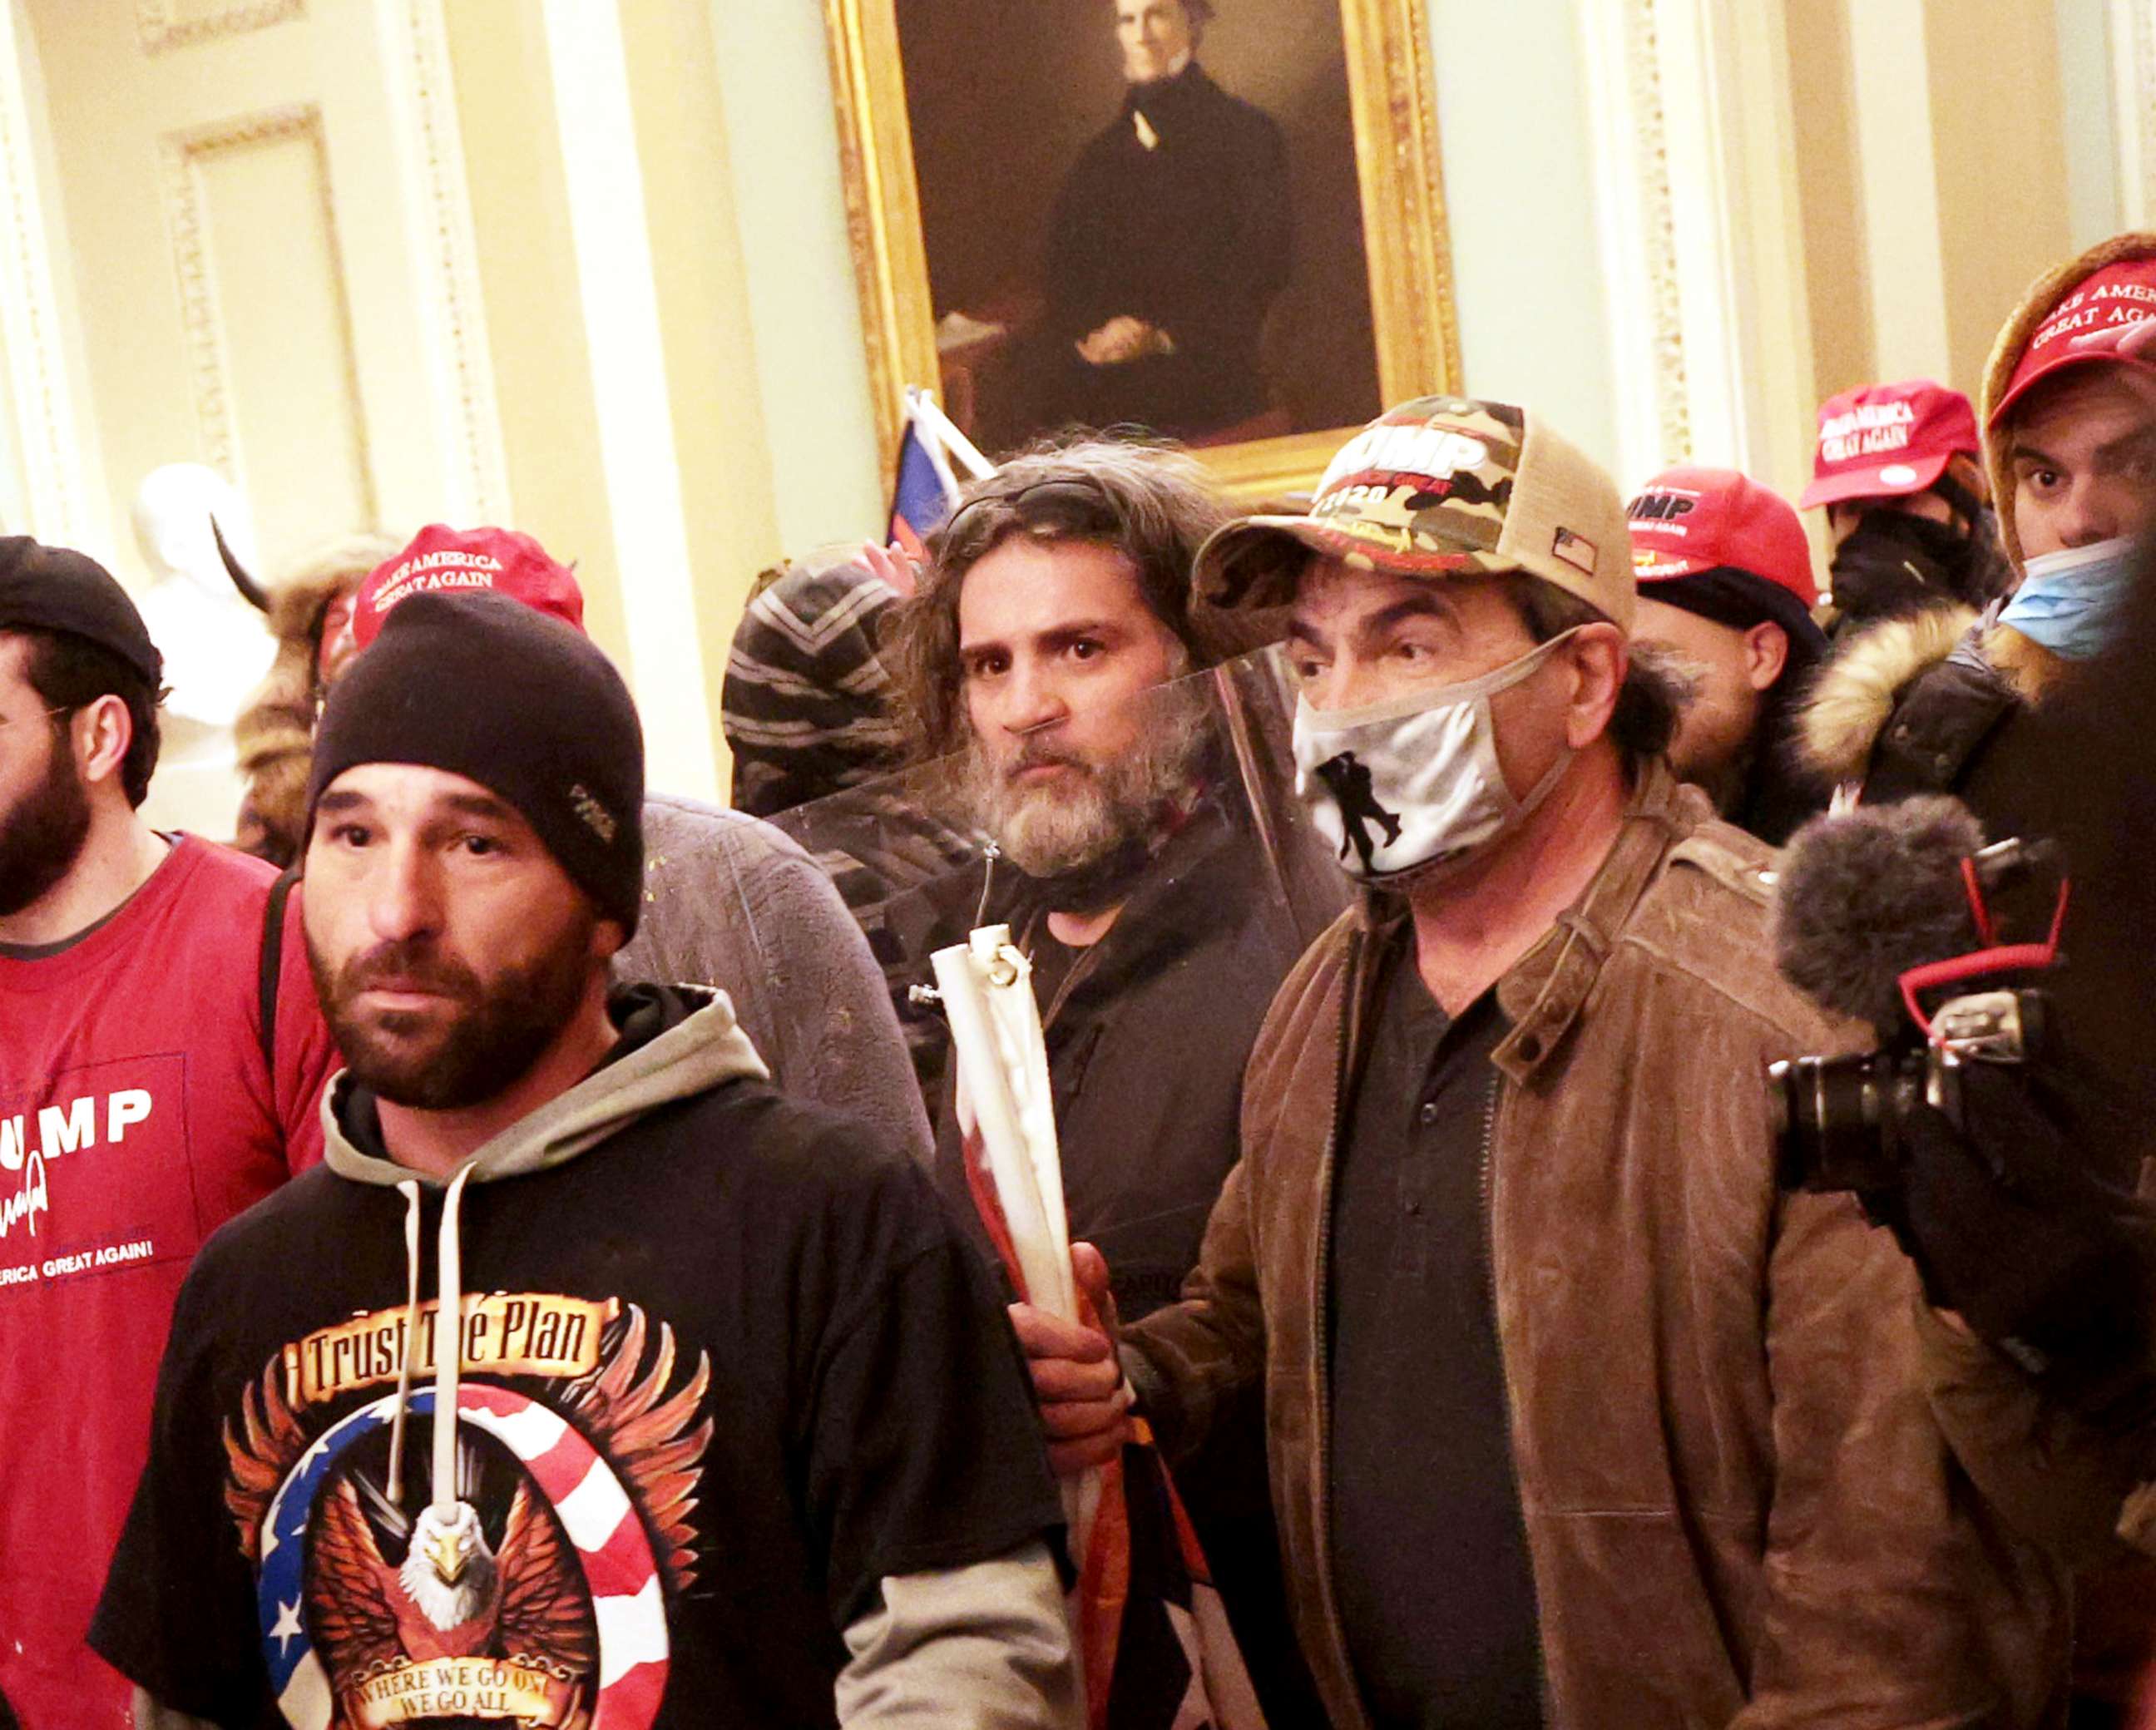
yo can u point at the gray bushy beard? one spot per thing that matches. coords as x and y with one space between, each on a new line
1052 831
43 835
502 1027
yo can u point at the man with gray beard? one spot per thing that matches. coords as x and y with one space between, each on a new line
1045 660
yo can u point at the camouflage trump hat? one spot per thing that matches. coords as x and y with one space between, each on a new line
1442 486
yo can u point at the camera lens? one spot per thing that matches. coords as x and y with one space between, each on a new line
1827 1113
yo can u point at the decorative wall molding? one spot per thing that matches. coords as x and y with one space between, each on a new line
201 317
2133 108
1636 217
1700 231
51 496
1658 224
158 25
418 72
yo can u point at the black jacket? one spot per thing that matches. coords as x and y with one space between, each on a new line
1147 1034
1939 727
1937 703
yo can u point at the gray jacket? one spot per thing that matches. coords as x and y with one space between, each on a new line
729 902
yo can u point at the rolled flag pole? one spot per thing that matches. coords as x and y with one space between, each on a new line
1182 1670
986 990
1003 1100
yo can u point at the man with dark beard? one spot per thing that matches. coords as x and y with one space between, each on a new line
142 1102
1043 658
731 1433
728 900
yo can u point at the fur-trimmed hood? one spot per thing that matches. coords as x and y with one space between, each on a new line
1856 692
2044 295
275 732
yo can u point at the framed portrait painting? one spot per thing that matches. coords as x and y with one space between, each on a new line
1219 220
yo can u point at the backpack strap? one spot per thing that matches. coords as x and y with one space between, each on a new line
273 965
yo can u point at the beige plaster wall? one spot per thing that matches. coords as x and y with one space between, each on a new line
1934 174
2006 210
766 380
1837 267
527 273
709 336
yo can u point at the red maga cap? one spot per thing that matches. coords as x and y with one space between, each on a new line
2086 327
1882 441
1687 520
445 561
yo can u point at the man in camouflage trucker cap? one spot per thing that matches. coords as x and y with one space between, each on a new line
1570 1413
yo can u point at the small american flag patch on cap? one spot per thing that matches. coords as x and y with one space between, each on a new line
1575 550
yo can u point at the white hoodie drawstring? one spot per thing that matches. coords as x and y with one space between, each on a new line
449 1346
448 1342
410 1191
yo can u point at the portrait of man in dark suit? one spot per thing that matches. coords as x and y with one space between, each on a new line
1140 212
1169 241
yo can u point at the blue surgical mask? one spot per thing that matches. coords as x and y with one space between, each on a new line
2073 602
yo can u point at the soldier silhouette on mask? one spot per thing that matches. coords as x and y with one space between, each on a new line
1350 782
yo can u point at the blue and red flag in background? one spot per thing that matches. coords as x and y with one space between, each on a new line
924 488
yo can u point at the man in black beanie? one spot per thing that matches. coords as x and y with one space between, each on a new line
736 1432
728 901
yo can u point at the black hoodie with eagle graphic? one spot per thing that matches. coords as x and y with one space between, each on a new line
728 1375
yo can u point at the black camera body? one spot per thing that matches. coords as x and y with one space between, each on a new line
1967 1134
1840 1122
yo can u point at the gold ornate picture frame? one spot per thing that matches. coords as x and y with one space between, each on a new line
1407 251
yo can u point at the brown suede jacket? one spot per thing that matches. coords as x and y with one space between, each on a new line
1739 1509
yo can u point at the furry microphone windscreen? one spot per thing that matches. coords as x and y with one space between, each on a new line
1865 896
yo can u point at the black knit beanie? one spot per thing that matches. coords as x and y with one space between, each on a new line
484 686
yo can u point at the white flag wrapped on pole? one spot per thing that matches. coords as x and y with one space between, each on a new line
987 988
1152 1642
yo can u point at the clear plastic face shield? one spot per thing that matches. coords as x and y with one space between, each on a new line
1194 821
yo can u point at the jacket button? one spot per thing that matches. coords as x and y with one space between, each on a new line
1428 1112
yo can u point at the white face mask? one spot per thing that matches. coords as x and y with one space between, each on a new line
1414 782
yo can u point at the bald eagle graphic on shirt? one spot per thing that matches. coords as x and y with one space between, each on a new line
533 1586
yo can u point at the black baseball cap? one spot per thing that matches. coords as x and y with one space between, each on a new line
55 588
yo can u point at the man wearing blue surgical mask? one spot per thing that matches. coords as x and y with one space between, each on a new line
1958 704
1572 1417
1939 703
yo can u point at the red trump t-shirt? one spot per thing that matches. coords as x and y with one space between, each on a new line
137 1114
